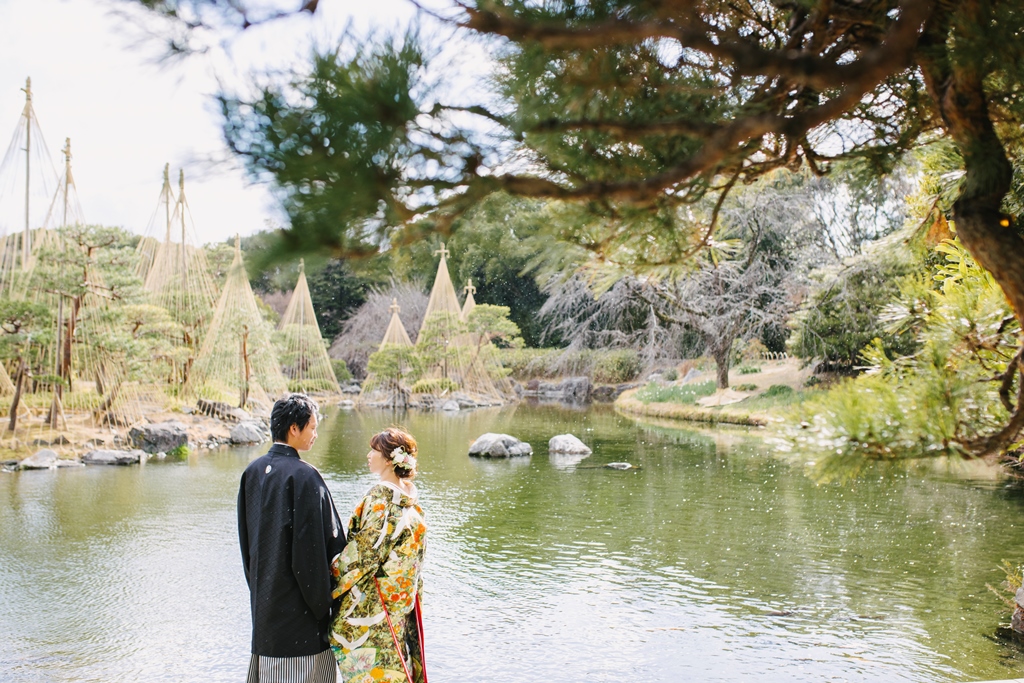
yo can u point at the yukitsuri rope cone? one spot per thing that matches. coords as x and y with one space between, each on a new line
179 281
395 334
159 225
470 302
64 210
304 359
456 364
388 390
238 362
6 385
84 377
28 179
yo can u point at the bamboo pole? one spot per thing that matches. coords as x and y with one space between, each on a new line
27 236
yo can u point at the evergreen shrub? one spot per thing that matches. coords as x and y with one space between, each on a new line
615 367
436 386
525 364
341 371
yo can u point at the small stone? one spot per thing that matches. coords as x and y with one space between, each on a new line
70 462
619 466
40 460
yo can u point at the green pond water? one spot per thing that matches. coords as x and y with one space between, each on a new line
713 562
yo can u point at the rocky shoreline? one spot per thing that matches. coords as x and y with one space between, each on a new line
207 426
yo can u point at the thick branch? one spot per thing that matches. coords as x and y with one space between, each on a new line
745 57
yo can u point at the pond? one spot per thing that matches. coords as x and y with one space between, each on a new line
714 561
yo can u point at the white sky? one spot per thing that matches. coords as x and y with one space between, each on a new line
126 116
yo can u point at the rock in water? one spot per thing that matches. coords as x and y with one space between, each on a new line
499 446
567 443
619 466
40 460
576 389
108 457
249 432
450 405
159 437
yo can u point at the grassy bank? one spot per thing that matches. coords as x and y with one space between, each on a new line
628 403
757 398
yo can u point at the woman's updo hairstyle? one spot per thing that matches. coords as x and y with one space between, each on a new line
394 442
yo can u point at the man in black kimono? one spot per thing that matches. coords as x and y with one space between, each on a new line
289 532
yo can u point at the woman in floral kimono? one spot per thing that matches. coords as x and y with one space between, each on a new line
377 635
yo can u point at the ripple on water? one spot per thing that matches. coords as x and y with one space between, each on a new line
712 562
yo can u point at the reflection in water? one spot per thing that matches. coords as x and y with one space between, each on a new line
713 561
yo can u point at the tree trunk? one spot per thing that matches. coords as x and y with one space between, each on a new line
246 367
16 401
721 355
955 84
65 371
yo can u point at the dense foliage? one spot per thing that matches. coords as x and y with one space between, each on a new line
947 397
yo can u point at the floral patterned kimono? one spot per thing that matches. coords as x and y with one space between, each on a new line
386 543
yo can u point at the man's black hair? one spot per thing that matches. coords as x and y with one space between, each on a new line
294 409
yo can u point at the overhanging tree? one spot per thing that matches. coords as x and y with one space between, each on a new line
636 110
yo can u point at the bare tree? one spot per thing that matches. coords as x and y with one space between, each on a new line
362 333
747 282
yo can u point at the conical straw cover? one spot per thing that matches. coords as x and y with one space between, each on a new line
395 333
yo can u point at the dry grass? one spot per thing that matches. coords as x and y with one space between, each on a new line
626 403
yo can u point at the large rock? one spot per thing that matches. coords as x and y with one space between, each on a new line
224 411
70 462
40 460
108 457
249 432
569 390
499 446
576 389
567 443
162 437
450 405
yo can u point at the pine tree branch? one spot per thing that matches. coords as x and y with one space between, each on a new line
746 58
